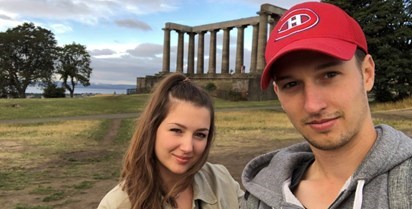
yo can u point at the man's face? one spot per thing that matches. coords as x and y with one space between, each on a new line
324 98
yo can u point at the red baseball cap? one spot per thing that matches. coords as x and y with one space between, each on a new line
314 26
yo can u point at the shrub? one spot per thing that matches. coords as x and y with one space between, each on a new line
52 91
210 87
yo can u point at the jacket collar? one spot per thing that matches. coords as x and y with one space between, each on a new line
202 190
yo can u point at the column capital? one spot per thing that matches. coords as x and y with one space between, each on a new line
263 13
191 33
241 26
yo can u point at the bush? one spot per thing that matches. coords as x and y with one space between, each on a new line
235 96
210 87
52 91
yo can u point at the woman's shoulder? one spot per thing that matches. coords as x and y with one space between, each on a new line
211 168
215 173
115 198
213 183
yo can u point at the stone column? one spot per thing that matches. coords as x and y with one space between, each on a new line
212 52
166 51
274 19
200 52
225 51
262 39
253 56
272 24
180 45
239 49
191 54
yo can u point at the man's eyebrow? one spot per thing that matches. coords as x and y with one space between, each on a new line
329 64
280 78
319 67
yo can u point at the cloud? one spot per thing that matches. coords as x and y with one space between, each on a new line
280 3
120 64
135 24
5 17
60 28
46 8
146 50
100 52
143 7
124 70
88 12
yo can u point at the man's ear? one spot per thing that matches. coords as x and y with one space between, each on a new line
368 71
275 87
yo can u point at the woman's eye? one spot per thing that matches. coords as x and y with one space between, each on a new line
176 130
201 135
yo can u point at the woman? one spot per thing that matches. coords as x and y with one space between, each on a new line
165 166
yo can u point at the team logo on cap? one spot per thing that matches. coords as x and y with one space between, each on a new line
296 21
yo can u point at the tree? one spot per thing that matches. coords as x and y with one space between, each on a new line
74 66
388 29
5 90
27 56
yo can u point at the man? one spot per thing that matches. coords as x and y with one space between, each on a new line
318 59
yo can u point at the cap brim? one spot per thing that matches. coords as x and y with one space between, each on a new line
340 49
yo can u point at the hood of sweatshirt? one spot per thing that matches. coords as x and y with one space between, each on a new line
265 175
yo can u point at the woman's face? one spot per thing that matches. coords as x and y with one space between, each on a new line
181 138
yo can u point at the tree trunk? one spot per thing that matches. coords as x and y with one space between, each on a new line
71 92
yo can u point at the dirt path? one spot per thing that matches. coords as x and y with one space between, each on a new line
111 132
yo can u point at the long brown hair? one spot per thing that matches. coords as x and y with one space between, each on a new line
140 176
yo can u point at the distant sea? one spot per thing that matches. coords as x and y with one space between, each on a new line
92 89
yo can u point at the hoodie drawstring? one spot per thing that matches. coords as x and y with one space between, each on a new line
357 204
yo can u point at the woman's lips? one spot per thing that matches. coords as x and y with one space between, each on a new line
182 159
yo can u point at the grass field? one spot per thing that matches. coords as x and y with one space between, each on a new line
73 163
63 107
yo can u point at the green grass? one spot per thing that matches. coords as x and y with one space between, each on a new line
54 197
222 104
108 104
84 185
125 131
20 206
399 105
111 104
44 108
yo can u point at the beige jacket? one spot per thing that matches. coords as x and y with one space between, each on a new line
213 186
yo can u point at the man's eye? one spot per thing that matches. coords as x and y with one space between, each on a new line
331 74
290 85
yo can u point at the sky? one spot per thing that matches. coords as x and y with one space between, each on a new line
125 37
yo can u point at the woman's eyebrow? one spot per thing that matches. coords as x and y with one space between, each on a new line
184 127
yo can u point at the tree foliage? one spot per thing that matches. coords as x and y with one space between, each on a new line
388 28
52 91
27 56
74 66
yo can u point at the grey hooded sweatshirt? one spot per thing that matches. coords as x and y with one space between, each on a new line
267 177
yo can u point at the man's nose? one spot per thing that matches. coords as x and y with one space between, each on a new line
314 100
